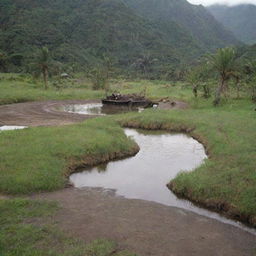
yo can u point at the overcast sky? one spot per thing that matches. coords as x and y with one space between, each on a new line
227 2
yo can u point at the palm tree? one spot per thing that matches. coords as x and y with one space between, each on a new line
43 62
224 62
144 63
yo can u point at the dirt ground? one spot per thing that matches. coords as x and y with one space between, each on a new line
41 113
47 113
143 227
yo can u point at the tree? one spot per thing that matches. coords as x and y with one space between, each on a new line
197 77
101 73
193 77
144 63
224 62
99 76
250 71
43 62
3 61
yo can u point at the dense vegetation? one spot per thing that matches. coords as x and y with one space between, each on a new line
81 33
194 19
239 19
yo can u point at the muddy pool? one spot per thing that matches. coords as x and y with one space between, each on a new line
100 109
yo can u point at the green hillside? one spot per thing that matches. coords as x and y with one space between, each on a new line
240 19
79 33
195 19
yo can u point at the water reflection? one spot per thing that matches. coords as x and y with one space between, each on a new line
11 127
100 109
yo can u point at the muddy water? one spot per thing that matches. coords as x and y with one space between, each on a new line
161 157
99 109
145 175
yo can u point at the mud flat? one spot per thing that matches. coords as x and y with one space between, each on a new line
41 113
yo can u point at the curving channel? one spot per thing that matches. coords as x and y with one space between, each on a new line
161 157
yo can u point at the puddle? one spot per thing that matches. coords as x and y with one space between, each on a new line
99 109
11 127
161 157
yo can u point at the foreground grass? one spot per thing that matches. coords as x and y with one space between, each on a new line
38 159
227 180
23 232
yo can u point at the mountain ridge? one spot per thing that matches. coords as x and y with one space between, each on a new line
196 19
240 19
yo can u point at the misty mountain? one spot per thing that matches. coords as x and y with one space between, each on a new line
240 19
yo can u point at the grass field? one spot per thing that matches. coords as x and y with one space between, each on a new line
18 88
39 159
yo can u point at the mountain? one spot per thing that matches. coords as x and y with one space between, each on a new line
195 19
81 32
247 52
240 19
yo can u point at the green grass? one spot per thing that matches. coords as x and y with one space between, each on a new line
22 88
154 89
38 159
16 88
26 229
228 178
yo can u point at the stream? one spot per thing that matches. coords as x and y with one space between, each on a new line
144 176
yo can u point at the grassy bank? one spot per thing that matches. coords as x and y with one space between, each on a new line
26 229
227 181
38 159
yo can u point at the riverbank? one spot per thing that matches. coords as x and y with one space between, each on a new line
226 182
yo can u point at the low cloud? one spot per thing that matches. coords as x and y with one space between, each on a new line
225 2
